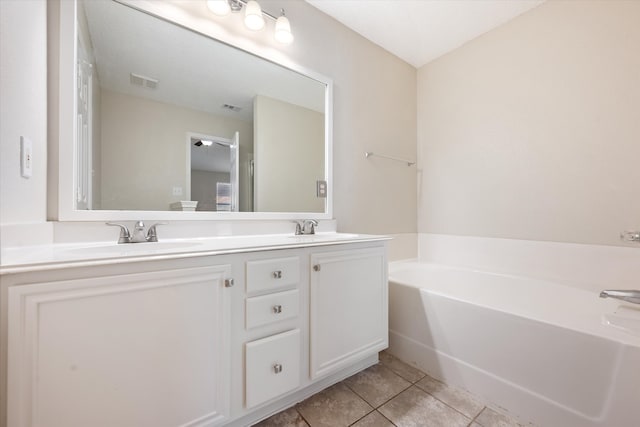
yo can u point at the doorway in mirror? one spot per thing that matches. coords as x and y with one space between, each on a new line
213 179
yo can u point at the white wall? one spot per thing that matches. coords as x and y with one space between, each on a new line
288 145
532 131
23 109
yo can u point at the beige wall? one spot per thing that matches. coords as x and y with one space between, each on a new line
288 145
144 148
374 109
23 105
532 131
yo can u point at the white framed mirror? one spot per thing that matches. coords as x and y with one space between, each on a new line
145 81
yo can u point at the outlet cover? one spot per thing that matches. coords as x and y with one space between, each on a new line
26 157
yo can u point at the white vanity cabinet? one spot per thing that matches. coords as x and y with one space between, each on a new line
348 307
142 349
198 340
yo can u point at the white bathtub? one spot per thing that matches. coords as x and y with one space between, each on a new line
550 354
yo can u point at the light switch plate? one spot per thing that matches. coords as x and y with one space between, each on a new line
26 157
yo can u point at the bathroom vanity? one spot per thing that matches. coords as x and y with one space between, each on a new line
205 332
194 331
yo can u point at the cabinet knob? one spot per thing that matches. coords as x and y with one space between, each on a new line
228 283
277 368
316 267
277 309
277 274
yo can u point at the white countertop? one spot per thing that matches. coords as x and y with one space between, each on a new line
56 256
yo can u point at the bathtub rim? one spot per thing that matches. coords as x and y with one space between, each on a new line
598 329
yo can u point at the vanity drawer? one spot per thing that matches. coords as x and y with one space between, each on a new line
272 308
272 274
272 367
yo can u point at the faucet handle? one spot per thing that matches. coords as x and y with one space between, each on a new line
298 228
125 236
312 223
152 234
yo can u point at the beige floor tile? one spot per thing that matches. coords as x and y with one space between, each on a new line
406 371
374 419
416 408
336 406
376 384
490 418
454 397
287 418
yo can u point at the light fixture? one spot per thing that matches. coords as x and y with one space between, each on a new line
283 29
219 7
202 142
254 17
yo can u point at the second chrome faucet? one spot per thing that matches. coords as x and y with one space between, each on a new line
138 235
308 226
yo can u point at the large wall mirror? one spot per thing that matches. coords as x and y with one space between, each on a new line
170 120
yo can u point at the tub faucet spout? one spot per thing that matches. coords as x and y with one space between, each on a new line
632 296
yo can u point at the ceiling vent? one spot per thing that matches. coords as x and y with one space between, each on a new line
144 81
230 107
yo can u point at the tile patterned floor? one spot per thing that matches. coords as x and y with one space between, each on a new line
390 394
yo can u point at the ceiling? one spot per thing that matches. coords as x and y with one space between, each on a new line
419 31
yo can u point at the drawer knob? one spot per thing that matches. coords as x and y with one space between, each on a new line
277 274
277 309
277 368
228 283
316 267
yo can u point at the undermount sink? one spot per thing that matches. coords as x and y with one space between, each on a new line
134 248
324 236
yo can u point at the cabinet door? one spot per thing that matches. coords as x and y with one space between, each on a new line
348 303
146 349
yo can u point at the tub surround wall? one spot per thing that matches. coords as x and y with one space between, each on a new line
590 267
531 130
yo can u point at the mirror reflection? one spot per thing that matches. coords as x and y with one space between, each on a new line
168 119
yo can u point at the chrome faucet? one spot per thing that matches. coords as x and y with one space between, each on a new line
632 296
630 236
308 226
138 235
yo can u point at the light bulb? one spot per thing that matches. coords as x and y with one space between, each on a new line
253 18
219 7
283 30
